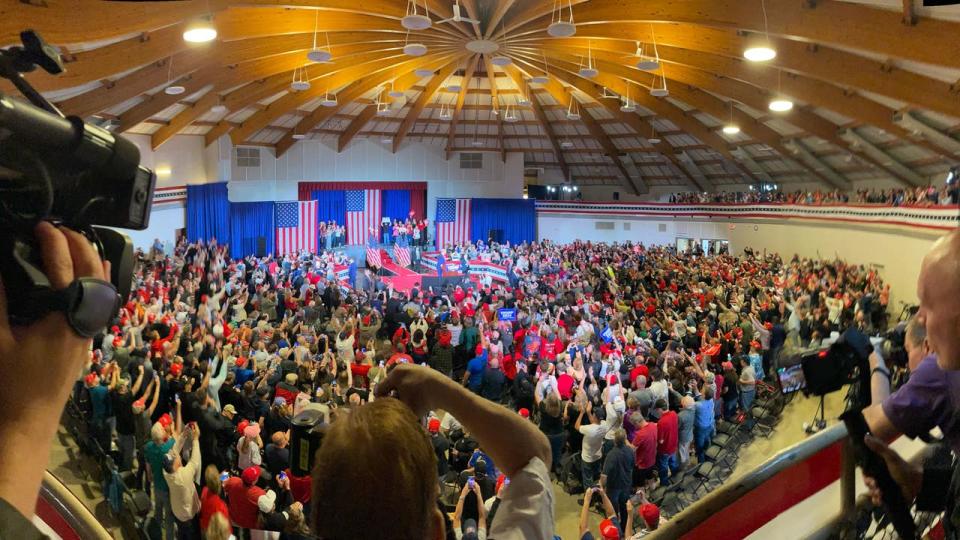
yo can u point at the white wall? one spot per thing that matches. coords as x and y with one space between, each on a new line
164 221
368 161
896 252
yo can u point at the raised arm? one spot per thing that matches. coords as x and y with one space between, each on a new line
510 440
138 382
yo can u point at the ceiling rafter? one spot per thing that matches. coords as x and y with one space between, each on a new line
355 126
822 21
461 97
518 79
495 104
473 13
422 100
637 186
502 7
372 80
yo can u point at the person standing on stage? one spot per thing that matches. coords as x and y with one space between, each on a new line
441 261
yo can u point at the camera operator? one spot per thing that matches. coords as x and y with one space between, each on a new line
933 487
930 397
48 354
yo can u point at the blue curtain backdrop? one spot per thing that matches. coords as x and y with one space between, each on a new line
248 222
517 218
331 205
208 212
396 204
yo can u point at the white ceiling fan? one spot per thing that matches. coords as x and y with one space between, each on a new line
457 17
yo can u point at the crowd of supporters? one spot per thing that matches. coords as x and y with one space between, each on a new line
622 356
919 196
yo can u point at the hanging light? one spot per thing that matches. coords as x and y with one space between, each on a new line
545 78
562 28
423 73
219 108
566 144
172 89
200 31
761 51
523 101
298 136
501 60
415 20
647 62
573 110
476 123
628 106
780 103
510 116
445 113
731 128
653 135
300 82
659 91
589 71
413 49
394 93
328 100
316 54
383 108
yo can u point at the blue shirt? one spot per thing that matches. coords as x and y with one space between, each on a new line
476 367
99 402
492 471
756 362
243 375
704 413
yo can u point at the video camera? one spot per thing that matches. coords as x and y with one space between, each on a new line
845 361
71 173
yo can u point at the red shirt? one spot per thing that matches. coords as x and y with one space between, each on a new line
300 487
645 439
667 433
243 502
210 504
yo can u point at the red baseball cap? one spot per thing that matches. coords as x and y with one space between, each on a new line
524 413
650 514
90 379
250 475
433 426
176 369
608 530
165 420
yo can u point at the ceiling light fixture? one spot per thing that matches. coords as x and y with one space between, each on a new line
200 31
646 62
413 49
298 136
558 27
300 81
589 71
501 60
573 110
731 128
316 54
761 51
329 101
545 78
172 89
659 91
510 116
523 100
394 93
566 144
219 108
423 73
628 106
445 113
653 134
414 20
780 103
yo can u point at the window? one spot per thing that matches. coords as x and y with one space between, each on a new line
626 226
471 160
248 157
604 225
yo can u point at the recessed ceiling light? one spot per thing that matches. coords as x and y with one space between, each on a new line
562 29
501 60
319 56
174 90
421 72
200 31
780 105
416 22
540 79
414 49
762 53
731 129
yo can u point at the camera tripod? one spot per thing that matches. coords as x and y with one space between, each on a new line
819 421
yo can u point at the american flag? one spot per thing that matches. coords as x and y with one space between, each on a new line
296 226
373 257
363 212
402 255
453 221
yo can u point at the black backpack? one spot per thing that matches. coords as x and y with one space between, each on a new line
570 476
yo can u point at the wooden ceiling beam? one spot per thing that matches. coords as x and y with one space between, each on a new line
374 78
501 9
355 126
467 76
441 10
519 80
495 102
422 100
474 13
836 22
638 186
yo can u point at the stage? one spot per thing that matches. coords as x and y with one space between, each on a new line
404 278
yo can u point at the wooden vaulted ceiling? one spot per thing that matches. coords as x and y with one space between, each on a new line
853 68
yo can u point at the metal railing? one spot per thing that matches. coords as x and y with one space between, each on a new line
714 502
77 516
